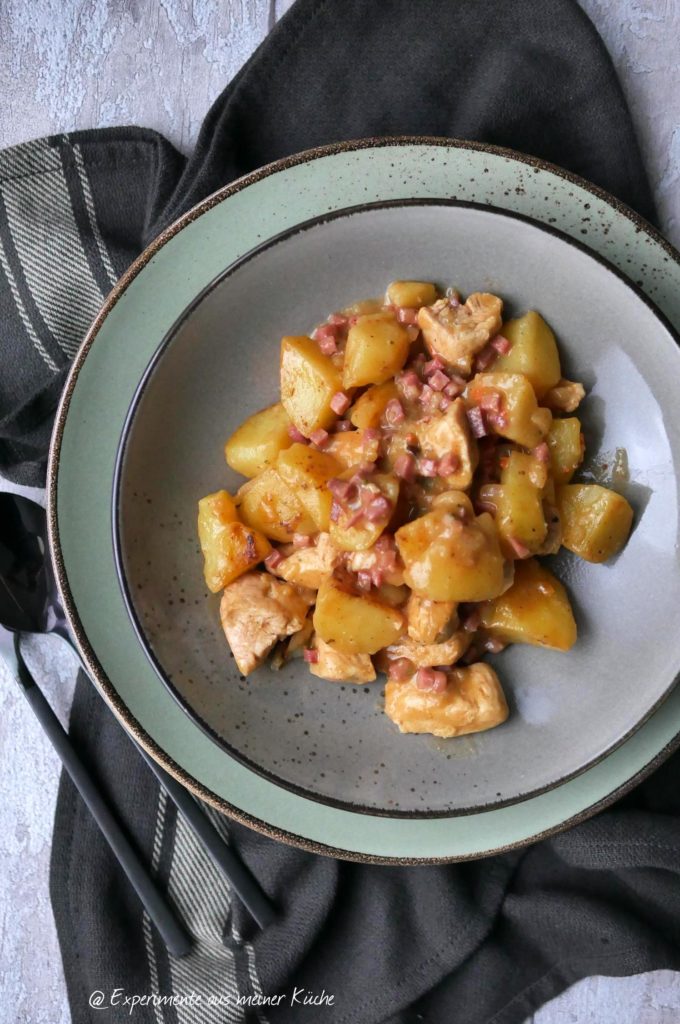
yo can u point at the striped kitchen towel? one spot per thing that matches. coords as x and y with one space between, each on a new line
355 943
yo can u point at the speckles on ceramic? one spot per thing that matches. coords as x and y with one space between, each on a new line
221 363
105 373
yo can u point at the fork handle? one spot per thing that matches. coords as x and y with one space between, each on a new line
172 933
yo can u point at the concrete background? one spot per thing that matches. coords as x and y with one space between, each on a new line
68 64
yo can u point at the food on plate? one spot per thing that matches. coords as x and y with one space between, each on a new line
229 547
596 521
447 702
398 499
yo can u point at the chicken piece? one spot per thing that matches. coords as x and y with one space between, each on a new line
472 702
257 610
428 655
450 434
293 647
352 447
382 561
338 667
426 620
309 567
566 396
458 333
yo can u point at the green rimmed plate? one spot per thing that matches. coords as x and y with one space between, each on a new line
136 317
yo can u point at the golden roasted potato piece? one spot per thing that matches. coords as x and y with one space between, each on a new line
448 560
369 408
553 538
339 667
366 531
445 652
353 624
390 593
533 353
411 293
519 417
456 502
229 548
309 380
472 702
567 448
364 307
520 517
352 447
307 471
596 522
449 433
270 505
377 348
535 610
566 396
256 611
254 445
309 567
457 333
427 620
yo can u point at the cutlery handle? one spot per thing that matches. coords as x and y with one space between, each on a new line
174 936
233 869
229 864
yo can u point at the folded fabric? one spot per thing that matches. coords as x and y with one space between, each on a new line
479 942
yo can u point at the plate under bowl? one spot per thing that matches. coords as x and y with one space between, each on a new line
219 363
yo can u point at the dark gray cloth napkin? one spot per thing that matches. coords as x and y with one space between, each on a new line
472 943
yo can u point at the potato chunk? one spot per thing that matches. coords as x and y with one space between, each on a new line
456 502
567 448
253 447
339 667
457 333
369 408
309 380
229 547
533 353
364 533
307 471
596 522
309 567
391 593
353 624
270 505
449 433
520 517
426 620
448 560
377 348
472 702
518 417
256 611
566 396
535 610
411 293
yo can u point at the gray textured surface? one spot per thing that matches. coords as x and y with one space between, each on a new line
91 63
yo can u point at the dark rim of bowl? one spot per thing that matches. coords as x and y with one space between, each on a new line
119 472
89 656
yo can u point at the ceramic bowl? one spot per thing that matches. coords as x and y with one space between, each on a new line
219 362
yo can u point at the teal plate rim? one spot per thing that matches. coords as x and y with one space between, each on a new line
146 377
587 806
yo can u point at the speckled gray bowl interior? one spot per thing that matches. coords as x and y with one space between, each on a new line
332 740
